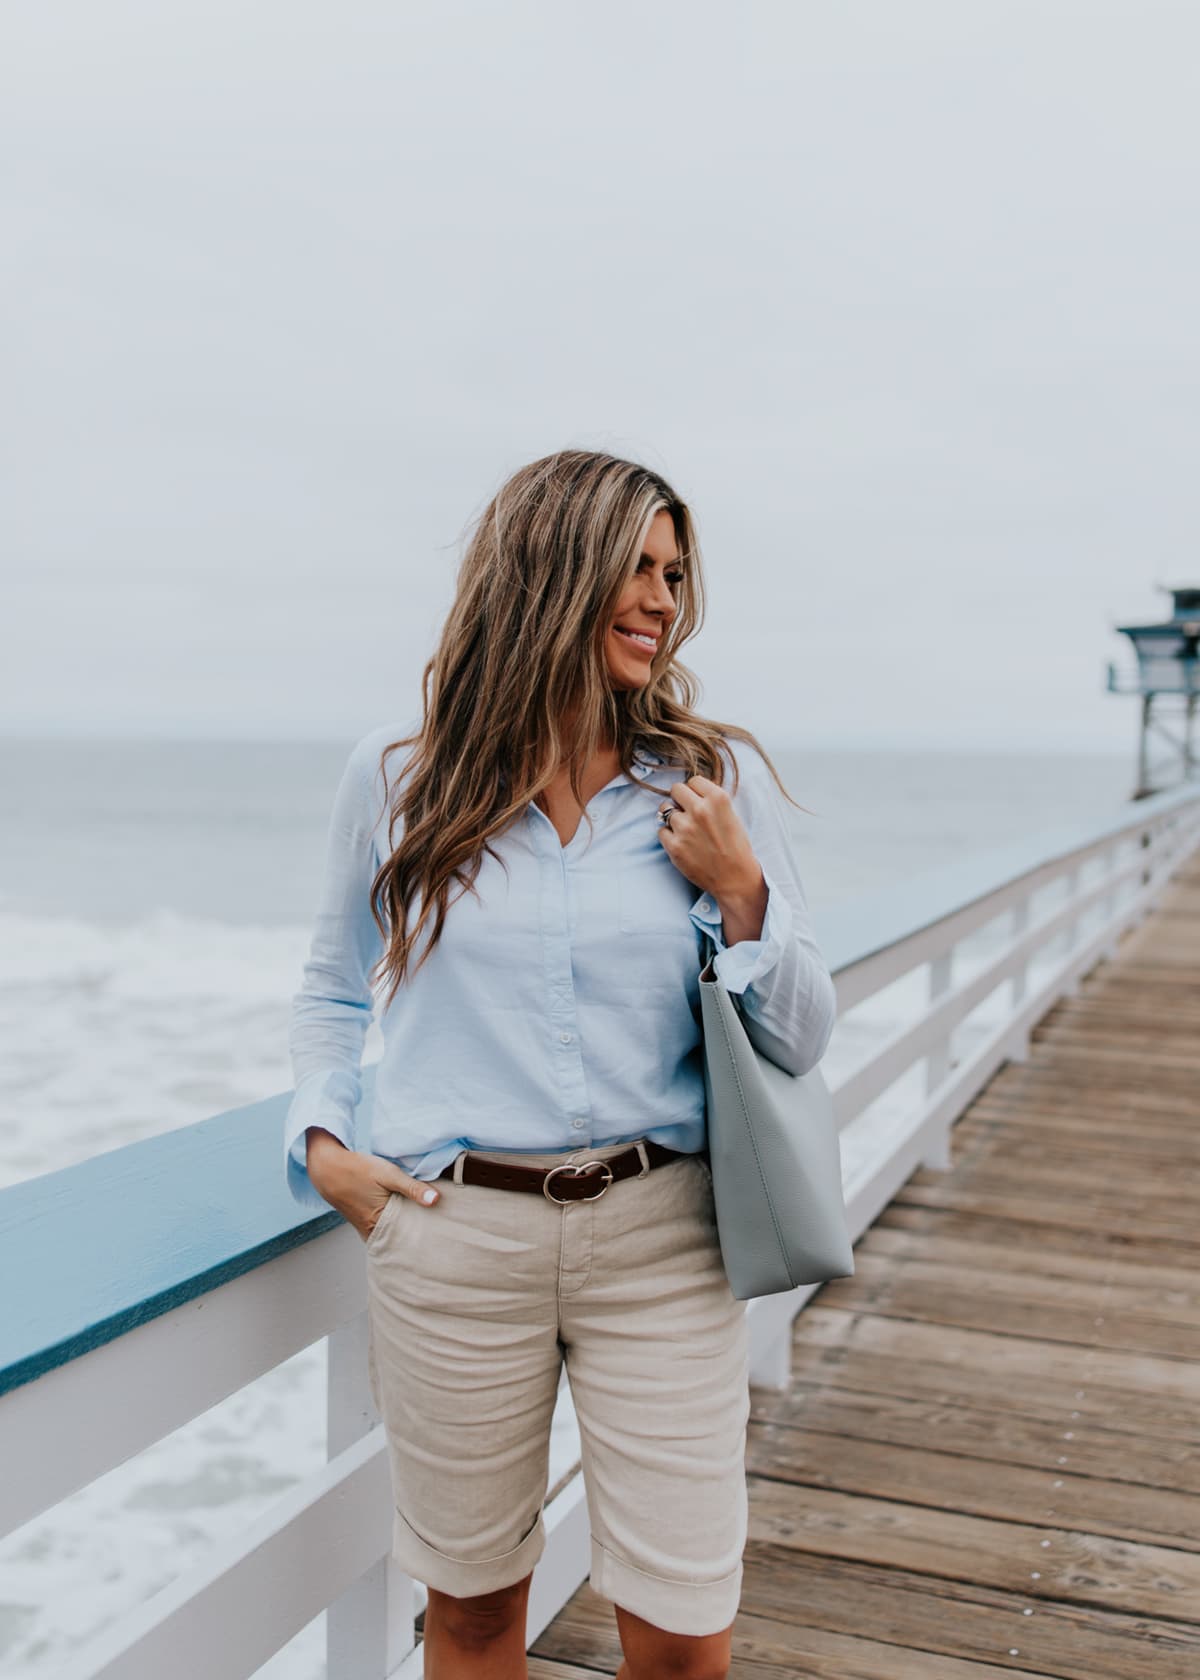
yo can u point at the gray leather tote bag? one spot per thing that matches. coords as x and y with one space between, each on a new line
775 1157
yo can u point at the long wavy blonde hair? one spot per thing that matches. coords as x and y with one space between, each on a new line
518 684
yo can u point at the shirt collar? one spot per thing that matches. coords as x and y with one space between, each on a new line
644 760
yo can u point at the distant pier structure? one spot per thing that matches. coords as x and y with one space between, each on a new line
1168 680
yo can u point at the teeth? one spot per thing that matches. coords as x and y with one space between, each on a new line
646 641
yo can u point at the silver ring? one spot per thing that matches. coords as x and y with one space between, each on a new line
664 816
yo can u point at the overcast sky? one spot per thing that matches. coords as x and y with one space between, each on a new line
901 296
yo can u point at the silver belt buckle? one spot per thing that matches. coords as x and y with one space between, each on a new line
578 1168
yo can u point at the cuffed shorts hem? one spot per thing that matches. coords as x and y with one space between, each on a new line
675 1606
464 1577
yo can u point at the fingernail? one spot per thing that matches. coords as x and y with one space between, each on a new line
429 1196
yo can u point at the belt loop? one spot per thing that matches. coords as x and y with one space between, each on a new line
641 1149
460 1161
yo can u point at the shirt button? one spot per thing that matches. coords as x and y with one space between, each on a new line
705 905
565 1037
577 1125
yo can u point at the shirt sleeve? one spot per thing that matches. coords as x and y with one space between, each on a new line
335 1004
788 999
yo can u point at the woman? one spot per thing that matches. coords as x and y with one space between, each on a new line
530 884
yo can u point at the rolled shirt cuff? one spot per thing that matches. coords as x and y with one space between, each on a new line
329 1099
738 966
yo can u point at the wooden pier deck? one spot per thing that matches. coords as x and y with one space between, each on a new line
988 1463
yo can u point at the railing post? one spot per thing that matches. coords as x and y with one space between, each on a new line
1145 840
1070 934
1018 1045
369 1629
1111 855
937 1062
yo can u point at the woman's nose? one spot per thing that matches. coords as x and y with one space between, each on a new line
663 601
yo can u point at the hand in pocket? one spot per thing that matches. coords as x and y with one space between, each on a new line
360 1186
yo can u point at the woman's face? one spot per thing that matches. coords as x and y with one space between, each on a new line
647 604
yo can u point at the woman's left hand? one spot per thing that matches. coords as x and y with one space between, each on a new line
707 842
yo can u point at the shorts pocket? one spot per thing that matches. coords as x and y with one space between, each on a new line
385 1217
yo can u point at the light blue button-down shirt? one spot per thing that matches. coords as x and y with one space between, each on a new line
561 1007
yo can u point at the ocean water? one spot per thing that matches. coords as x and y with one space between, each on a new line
155 902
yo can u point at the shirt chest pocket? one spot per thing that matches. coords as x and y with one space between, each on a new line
660 945
653 900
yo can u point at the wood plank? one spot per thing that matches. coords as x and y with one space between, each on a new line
984 1463
1082 1065
763 1647
964 1619
767 1648
1053 1242
1036 1087
583 1632
540 1669
1010 1359
1056 1398
1057 1309
1039 1559
1133 1026
1120 1035
971 1253
1097 1174
1035 1208
1091 1179
1117 1138
1079 1125
1137 1391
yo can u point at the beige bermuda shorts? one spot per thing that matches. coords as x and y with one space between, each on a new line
473 1306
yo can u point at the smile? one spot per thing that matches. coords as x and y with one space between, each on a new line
647 641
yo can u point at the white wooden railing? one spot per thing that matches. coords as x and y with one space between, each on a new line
939 982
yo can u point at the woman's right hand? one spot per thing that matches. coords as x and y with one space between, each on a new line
359 1185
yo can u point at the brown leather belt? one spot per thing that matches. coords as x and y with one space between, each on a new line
573 1181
